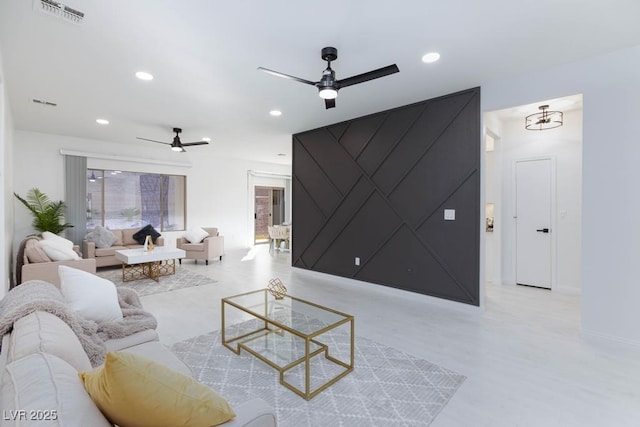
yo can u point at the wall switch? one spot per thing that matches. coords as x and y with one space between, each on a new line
450 214
357 260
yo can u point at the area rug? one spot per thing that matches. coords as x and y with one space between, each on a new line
182 279
386 388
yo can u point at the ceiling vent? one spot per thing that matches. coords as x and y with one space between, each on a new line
43 102
60 10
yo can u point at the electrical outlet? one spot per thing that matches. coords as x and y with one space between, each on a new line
357 260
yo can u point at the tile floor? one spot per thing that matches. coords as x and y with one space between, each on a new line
525 361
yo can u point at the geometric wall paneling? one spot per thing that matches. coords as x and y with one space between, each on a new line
359 132
387 136
306 208
316 182
450 239
435 119
356 238
413 262
438 172
335 224
334 161
375 188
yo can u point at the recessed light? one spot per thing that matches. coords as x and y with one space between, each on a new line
275 113
102 121
143 75
206 139
430 57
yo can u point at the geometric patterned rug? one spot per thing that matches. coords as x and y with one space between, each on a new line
182 279
386 388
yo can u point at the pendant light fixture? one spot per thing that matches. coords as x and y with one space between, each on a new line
92 178
544 119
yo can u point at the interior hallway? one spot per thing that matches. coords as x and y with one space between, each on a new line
525 362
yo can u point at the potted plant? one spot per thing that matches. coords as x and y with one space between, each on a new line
47 214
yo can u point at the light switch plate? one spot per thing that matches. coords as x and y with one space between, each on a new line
450 214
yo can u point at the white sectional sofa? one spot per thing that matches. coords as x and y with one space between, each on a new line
39 364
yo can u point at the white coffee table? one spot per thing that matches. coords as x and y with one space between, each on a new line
141 264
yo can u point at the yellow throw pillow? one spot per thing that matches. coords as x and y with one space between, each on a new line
134 391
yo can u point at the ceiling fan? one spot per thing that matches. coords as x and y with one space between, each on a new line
328 86
176 145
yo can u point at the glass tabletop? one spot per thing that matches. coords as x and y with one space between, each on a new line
300 315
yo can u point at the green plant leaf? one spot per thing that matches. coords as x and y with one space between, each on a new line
47 215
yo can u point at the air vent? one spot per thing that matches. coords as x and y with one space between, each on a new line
41 102
60 10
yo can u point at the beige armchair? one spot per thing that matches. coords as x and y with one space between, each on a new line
32 266
210 248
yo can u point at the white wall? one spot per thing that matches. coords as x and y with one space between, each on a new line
610 85
216 187
493 194
6 186
564 146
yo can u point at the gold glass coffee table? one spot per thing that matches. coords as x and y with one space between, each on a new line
290 333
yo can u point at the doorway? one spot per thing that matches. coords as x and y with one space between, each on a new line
269 210
526 171
533 194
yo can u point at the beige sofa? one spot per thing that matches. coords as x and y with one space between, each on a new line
39 365
30 269
107 256
211 247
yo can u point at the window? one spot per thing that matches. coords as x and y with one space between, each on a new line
120 200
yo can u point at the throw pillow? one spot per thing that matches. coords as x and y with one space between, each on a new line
102 237
132 390
90 296
47 235
57 251
44 385
196 235
34 252
147 230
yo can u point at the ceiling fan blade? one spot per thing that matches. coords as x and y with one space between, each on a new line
153 140
375 74
329 103
186 144
286 76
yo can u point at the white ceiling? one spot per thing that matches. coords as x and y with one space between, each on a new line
204 55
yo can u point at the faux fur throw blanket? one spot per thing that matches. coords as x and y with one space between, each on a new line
36 295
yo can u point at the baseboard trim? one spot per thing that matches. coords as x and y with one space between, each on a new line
587 334
394 292
570 290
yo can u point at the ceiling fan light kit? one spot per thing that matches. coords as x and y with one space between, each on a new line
544 119
328 93
328 86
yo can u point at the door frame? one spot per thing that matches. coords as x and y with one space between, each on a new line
264 179
554 222
270 189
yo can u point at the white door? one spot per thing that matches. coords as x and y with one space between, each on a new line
533 223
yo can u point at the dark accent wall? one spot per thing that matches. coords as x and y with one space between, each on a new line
376 188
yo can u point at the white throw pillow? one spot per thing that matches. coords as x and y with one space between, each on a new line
48 391
196 235
47 235
90 296
57 251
